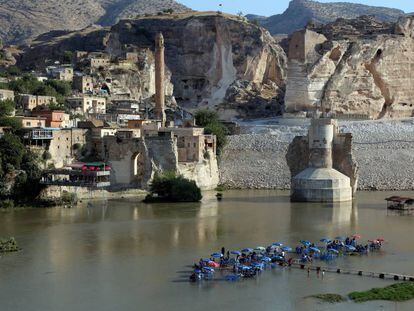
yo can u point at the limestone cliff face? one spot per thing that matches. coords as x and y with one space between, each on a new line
364 71
211 56
216 60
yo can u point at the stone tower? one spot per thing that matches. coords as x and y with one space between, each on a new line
159 79
320 182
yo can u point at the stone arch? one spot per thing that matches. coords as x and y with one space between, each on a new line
137 166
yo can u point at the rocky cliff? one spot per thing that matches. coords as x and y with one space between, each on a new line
21 20
217 61
301 12
356 66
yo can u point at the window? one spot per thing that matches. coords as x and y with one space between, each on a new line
28 123
195 145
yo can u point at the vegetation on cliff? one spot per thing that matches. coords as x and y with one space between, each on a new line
331 298
168 187
210 121
19 169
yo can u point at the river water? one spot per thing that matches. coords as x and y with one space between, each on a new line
124 255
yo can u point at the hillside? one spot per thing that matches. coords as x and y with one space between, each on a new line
21 20
300 12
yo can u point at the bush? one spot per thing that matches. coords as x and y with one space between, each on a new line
169 187
14 123
7 203
6 108
8 245
11 150
395 292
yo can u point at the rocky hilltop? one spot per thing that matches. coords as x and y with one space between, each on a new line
300 12
216 60
359 66
21 20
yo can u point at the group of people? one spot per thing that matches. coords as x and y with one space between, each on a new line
249 262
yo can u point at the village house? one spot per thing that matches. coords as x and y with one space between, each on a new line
6 94
31 122
54 118
87 104
83 83
192 143
29 102
62 144
63 73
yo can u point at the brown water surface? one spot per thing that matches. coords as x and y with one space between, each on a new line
125 255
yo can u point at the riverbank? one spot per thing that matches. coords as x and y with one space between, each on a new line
384 151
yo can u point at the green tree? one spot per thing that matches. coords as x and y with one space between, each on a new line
6 108
12 151
67 56
168 187
14 123
204 117
210 121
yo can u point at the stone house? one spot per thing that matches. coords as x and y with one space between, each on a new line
83 83
62 144
63 73
6 94
54 118
87 104
29 102
31 122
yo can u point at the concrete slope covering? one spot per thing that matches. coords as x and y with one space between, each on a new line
22 20
353 67
300 12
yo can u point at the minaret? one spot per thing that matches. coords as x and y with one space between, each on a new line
159 79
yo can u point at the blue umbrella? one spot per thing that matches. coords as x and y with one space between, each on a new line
340 238
315 249
286 249
245 267
277 244
247 250
325 240
216 255
332 250
350 247
206 260
235 253
208 269
266 259
306 243
197 271
279 258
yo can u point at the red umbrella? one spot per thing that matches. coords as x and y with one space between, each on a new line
356 236
380 239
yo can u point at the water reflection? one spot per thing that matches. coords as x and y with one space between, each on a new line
123 254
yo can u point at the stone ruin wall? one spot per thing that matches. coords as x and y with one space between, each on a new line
297 157
158 154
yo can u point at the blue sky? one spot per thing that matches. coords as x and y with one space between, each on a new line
271 7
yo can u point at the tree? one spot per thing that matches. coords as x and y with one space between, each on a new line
168 187
204 117
12 151
6 108
210 121
14 123
220 131
67 56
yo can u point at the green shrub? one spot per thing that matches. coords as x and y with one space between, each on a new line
8 245
331 298
169 187
395 292
6 108
7 203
